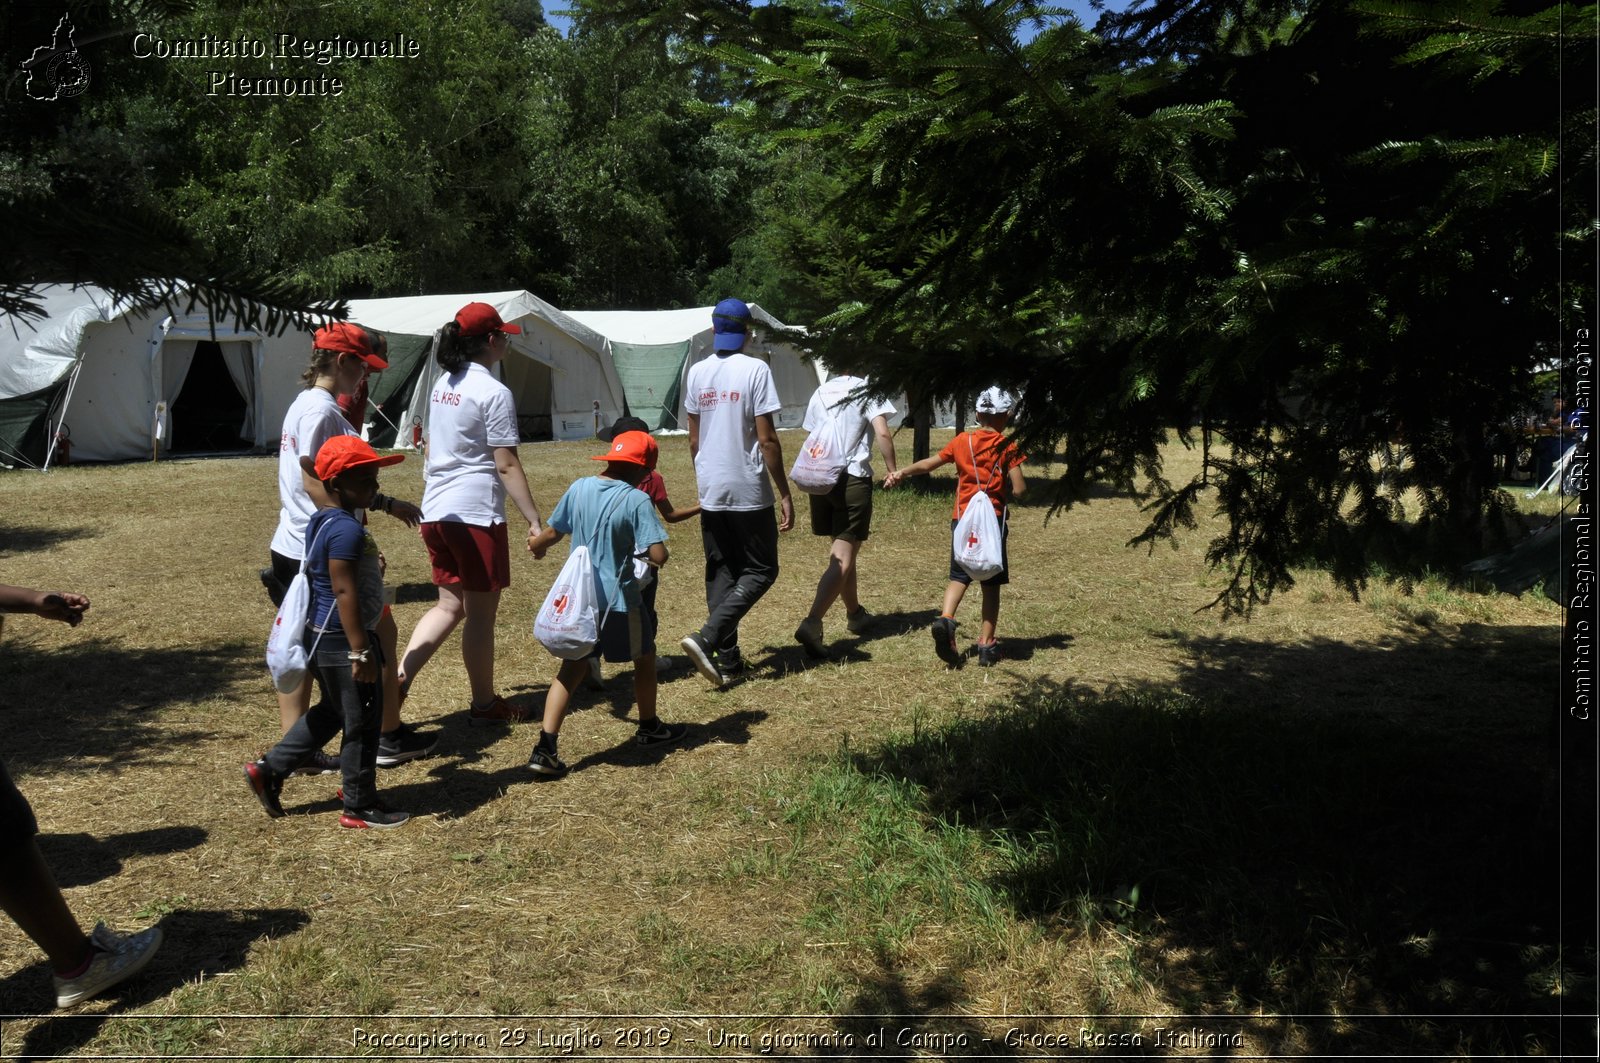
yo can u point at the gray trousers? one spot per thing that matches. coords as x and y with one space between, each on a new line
345 705
741 564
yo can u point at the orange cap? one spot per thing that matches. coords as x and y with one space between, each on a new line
633 448
343 453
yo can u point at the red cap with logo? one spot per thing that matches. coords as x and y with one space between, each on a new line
347 338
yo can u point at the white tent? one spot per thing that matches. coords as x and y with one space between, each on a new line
564 382
793 371
118 378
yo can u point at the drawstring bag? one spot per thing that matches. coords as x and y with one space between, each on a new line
287 656
976 539
822 458
566 623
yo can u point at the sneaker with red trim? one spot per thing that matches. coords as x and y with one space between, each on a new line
265 785
497 711
378 817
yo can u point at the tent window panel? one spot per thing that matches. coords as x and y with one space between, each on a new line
652 380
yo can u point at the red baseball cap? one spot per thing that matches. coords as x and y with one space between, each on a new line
348 338
480 319
343 453
633 448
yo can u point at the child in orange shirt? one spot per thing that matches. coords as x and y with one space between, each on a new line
985 461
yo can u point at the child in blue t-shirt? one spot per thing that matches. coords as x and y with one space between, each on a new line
346 601
615 521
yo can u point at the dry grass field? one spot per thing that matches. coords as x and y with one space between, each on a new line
1327 830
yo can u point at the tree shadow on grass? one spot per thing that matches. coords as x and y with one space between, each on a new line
197 944
28 539
96 704
1350 860
888 1018
81 859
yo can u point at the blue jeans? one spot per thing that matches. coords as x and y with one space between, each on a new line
348 706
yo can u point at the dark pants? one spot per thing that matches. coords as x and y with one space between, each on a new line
741 563
354 708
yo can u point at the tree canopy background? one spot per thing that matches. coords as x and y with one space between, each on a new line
1299 233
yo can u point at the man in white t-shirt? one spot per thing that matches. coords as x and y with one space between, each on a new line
730 400
844 514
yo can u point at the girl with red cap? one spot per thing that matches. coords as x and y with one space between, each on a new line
472 467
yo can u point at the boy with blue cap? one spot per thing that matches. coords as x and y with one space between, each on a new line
730 400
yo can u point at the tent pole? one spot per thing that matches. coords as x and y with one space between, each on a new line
50 452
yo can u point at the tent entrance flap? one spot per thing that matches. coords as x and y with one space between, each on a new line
210 411
652 380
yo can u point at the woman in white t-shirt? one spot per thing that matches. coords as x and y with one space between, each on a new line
472 467
342 355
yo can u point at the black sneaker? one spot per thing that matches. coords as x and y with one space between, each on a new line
265 786
377 817
321 763
944 641
989 655
547 764
703 658
809 636
656 733
404 743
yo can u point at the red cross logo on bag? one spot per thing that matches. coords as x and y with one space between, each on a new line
972 539
559 606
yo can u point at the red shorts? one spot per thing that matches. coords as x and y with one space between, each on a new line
469 555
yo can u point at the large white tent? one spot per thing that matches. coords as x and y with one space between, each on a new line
646 345
117 378
561 375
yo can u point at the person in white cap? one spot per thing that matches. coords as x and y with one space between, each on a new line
986 461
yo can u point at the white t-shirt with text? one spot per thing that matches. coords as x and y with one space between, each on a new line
470 414
833 399
728 392
314 418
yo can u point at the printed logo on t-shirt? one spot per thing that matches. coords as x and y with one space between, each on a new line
708 398
732 396
288 443
447 398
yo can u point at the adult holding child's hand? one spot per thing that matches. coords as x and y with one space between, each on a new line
472 467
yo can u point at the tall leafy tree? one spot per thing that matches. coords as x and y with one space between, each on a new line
1306 232
75 199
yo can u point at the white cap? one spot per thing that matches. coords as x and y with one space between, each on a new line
995 400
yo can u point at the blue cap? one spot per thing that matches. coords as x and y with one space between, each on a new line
730 320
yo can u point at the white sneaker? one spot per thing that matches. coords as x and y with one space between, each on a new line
116 957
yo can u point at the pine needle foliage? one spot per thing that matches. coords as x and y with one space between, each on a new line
1321 241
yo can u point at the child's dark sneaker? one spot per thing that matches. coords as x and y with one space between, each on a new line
546 764
703 658
656 733
321 763
809 636
858 621
265 786
113 958
989 655
375 818
944 641
402 744
497 711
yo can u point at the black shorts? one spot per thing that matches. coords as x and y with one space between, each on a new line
844 511
999 579
17 824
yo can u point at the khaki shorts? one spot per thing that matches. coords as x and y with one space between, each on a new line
844 512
